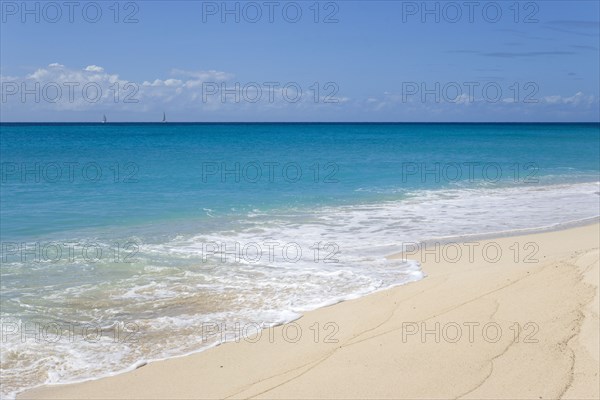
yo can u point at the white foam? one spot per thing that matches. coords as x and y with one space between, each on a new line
172 291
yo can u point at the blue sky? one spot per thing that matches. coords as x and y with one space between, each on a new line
351 61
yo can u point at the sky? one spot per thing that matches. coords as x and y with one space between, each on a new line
284 61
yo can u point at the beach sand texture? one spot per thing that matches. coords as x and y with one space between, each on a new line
520 326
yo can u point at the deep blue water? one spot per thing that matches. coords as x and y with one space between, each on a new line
153 173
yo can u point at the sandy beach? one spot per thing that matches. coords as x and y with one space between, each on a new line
508 318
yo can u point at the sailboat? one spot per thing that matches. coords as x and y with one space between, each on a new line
104 119
164 120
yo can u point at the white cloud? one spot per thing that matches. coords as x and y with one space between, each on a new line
552 99
184 91
93 68
463 98
57 87
204 76
173 82
8 78
39 74
577 99
167 82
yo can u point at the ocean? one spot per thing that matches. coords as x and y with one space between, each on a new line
124 243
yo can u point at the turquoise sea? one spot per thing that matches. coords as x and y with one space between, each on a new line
150 232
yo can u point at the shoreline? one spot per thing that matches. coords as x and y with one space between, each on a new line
510 233
113 386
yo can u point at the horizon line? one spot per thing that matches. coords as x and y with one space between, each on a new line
286 122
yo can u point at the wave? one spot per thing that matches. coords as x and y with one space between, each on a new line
267 268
